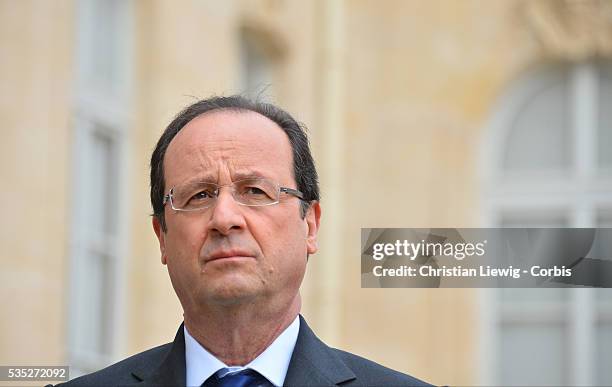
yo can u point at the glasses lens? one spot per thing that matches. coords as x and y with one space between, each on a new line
195 196
249 192
255 192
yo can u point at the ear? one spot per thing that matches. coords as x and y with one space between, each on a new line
161 237
313 218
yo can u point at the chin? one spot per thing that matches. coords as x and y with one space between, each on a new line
230 293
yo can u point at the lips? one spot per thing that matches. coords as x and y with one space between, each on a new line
228 254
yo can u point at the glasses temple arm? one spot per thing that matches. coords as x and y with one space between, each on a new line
293 192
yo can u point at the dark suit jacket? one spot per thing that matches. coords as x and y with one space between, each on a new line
312 364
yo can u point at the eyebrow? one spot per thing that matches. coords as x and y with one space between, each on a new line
248 175
241 175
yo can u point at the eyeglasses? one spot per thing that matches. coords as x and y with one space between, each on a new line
254 192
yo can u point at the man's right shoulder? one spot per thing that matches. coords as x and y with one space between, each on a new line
370 373
125 372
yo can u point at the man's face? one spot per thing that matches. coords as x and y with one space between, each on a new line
230 253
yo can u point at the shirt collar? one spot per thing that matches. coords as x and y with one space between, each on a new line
272 363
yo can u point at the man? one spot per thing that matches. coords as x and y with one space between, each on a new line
236 211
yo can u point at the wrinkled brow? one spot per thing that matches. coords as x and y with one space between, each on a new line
241 175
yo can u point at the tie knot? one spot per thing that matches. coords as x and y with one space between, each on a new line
243 378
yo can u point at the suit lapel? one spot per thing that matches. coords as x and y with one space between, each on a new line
313 363
171 371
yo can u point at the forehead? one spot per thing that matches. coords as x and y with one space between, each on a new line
228 144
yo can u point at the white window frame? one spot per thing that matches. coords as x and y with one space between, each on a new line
103 112
580 196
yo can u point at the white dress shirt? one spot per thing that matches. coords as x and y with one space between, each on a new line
271 363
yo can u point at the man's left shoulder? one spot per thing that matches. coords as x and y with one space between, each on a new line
315 363
371 373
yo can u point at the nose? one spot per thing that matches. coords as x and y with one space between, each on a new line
226 214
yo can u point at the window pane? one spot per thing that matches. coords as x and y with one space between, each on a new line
257 68
605 117
603 248
106 19
95 309
604 218
533 295
548 219
604 355
103 182
533 219
539 136
533 355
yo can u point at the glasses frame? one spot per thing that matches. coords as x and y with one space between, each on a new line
289 191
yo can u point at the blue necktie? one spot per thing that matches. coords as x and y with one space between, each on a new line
244 378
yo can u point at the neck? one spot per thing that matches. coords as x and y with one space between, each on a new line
236 335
